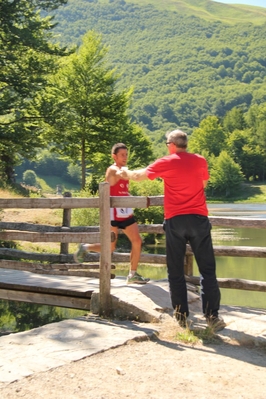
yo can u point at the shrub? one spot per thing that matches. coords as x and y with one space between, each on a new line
30 177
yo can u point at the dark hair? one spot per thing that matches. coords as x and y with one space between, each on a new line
117 147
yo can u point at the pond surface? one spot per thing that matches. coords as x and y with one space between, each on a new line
21 316
257 211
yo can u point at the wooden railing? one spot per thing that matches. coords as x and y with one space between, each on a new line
101 266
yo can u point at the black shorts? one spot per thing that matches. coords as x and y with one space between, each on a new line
124 223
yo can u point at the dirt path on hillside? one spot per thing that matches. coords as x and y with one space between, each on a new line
161 368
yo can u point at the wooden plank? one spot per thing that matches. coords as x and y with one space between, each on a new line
251 252
105 257
237 284
66 223
240 284
46 299
150 228
51 237
46 257
32 266
42 289
49 203
157 200
43 257
234 222
248 252
238 251
81 270
47 228
128 202
188 267
119 257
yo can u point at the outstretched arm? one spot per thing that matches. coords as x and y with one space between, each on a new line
136 175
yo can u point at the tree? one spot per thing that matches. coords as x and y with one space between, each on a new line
225 175
89 114
248 146
234 119
26 59
209 137
30 177
235 144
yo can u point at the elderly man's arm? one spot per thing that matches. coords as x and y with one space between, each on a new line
136 175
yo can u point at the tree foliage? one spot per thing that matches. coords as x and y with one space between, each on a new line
27 56
226 176
183 67
89 113
30 177
208 137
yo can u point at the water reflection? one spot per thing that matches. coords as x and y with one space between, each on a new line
20 316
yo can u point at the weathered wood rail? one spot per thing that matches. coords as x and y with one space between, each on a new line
62 264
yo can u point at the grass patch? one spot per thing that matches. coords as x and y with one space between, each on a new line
48 184
187 336
209 10
198 336
248 194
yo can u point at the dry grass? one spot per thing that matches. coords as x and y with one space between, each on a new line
51 217
38 216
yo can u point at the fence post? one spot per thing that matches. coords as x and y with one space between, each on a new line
105 305
188 270
66 223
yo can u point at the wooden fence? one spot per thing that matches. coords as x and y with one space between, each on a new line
101 266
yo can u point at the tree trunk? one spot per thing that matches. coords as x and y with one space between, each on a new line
8 168
83 165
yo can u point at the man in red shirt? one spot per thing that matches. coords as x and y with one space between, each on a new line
185 176
121 218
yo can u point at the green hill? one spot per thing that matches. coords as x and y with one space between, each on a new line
210 10
185 59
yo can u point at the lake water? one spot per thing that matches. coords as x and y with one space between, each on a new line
242 268
238 210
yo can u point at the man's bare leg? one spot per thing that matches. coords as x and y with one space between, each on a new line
95 247
132 232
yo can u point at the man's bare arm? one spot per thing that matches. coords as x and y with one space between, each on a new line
136 175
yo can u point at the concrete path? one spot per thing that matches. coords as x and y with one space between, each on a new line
56 344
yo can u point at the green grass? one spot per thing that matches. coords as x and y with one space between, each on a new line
249 193
197 335
209 10
48 184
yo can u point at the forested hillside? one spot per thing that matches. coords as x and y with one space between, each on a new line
183 67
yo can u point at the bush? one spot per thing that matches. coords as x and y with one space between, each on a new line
74 174
85 216
30 178
154 214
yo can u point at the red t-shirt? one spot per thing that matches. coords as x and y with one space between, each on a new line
120 189
183 174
